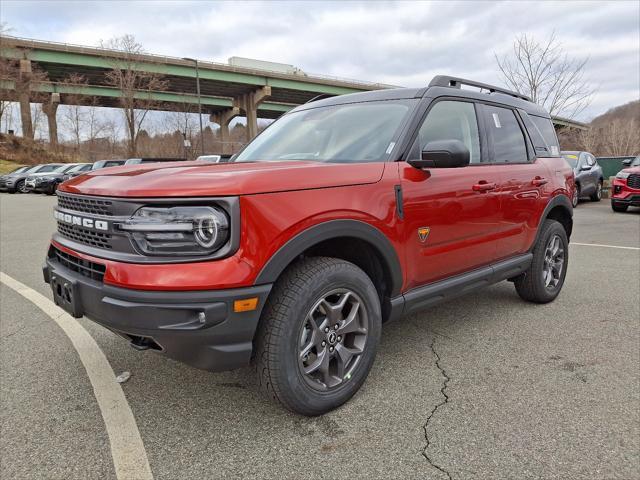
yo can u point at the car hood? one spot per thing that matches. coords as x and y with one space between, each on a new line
635 170
195 179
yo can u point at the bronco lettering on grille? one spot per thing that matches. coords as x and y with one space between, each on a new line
80 221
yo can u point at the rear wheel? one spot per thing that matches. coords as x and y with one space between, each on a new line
576 195
542 282
318 335
616 207
597 195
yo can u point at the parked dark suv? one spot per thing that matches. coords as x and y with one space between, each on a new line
588 176
345 213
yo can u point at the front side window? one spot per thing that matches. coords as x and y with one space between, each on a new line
356 132
508 140
450 120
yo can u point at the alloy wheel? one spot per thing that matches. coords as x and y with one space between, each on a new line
333 339
553 262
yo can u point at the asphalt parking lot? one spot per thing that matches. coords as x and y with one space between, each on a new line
485 387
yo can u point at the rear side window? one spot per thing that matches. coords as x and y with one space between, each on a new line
112 164
507 138
545 127
450 120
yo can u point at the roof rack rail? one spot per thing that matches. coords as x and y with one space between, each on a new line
322 96
454 82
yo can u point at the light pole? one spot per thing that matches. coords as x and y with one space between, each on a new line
199 102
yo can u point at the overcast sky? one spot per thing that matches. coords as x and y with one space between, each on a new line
401 43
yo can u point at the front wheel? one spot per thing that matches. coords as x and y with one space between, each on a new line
576 195
597 195
318 335
542 282
21 187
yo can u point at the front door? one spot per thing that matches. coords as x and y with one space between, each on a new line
452 215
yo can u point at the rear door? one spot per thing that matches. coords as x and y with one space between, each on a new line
524 179
452 215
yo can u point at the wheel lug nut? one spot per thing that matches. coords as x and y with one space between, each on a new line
326 330
335 327
331 349
324 343
339 338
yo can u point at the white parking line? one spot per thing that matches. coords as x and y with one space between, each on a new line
128 452
604 246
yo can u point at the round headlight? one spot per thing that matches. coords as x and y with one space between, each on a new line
206 231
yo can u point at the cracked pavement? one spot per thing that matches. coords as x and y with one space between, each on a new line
486 386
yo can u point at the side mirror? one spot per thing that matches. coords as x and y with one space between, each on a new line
443 154
627 162
585 167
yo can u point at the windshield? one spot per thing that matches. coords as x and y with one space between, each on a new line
357 132
572 159
63 168
79 168
20 170
45 168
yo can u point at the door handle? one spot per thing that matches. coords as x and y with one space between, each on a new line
539 181
483 186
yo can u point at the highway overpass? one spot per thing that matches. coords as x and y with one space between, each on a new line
226 91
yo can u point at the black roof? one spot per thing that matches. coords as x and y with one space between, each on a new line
441 85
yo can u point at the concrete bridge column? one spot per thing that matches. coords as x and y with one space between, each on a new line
249 104
50 110
223 119
23 98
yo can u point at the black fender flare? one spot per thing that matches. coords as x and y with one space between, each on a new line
557 201
326 231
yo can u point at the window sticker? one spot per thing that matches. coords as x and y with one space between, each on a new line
496 120
554 150
390 147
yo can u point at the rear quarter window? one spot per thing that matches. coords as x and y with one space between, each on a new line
548 133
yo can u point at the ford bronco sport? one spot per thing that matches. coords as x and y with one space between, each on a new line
345 213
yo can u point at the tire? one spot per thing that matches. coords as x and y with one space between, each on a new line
532 285
285 334
576 196
51 190
21 187
597 195
618 208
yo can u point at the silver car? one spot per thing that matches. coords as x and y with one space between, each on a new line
588 176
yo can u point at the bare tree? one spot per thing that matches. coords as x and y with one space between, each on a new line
136 86
623 137
544 72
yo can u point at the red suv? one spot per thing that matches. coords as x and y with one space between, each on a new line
344 214
625 191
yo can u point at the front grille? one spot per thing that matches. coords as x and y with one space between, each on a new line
85 205
83 235
86 268
633 181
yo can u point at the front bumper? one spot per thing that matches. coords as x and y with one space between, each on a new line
623 194
7 186
199 328
631 200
